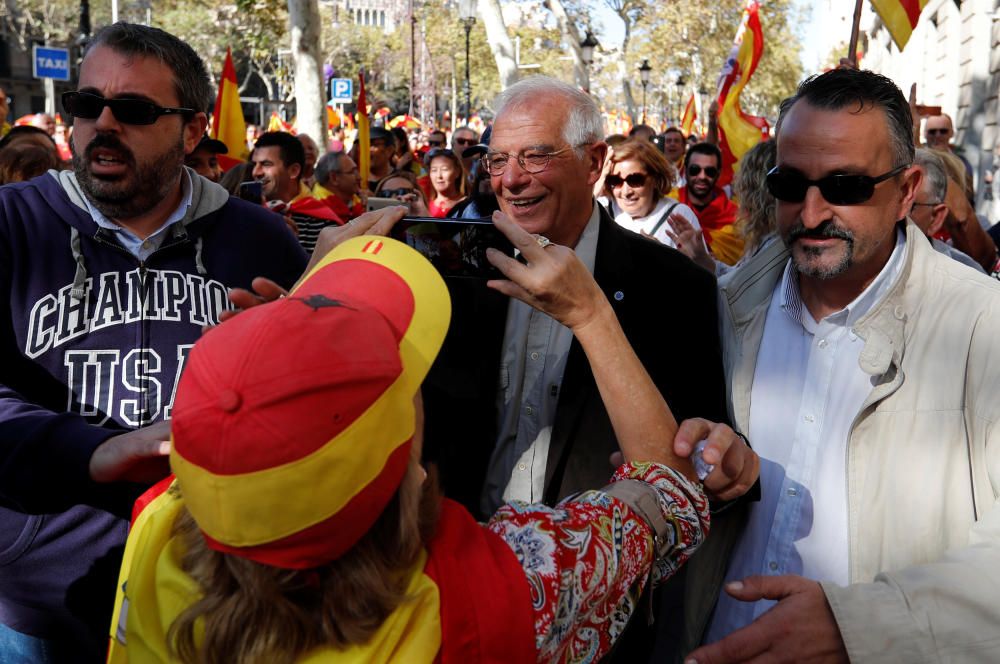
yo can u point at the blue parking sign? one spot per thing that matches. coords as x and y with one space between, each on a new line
50 63
342 91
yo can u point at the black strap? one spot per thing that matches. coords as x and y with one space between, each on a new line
662 219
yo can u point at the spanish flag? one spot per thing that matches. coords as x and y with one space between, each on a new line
900 17
228 124
738 132
364 137
690 115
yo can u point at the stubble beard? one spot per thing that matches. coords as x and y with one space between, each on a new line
148 182
809 261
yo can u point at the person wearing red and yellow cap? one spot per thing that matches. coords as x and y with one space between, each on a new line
301 526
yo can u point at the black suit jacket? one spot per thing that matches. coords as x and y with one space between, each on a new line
667 306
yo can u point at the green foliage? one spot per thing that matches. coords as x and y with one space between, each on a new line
692 40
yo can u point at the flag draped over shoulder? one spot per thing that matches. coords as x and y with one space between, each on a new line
690 115
738 132
228 124
900 17
364 136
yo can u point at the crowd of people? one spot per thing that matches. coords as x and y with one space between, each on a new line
695 420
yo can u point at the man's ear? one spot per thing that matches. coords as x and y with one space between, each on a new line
295 171
938 216
596 153
194 129
909 186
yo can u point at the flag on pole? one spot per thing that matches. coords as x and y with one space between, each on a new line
364 136
738 132
690 115
900 17
228 124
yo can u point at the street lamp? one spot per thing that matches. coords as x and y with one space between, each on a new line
644 70
587 47
467 14
680 101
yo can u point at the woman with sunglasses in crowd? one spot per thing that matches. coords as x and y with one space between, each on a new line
401 186
636 185
447 180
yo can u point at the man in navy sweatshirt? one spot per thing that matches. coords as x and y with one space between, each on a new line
108 274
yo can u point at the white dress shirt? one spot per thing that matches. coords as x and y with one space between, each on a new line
535 348
808 388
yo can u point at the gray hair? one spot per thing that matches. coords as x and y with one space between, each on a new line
934 171
327 164
584 123
190 76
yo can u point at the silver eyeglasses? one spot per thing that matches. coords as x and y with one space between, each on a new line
532 161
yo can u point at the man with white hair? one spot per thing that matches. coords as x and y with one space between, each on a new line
929 209
514 376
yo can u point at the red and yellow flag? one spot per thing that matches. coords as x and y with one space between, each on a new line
364 137
228 124
900 17
690 115
738 132
277 124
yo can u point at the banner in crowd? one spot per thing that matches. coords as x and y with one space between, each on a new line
900 17
364 135
228 124
690 115
738 131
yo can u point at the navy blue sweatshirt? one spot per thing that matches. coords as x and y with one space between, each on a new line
92 342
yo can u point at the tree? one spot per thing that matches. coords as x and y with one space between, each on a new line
500 44
303 19
692 40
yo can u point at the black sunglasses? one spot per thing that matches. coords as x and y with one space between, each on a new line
129 111
936 132
395 193
836 189
463 141
694 169
634 180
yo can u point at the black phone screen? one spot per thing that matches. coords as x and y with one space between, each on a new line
456 247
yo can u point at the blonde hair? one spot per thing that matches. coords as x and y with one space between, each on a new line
755 218
255 613
653 161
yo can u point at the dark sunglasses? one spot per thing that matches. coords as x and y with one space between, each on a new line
463 141
936 132
694 169
836 189
129 111
435 144
395 193
634 180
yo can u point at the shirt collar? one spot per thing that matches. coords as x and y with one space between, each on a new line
791 298
186 199
586 246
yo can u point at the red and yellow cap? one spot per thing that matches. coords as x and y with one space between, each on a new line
293 422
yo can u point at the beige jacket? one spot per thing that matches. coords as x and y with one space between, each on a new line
923 456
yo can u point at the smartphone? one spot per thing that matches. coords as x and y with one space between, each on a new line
252 191
377 203
456 247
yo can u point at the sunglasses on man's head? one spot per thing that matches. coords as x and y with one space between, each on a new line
693 170
634 180
791 187
87 106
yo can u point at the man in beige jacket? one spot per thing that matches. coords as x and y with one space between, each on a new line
865 368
